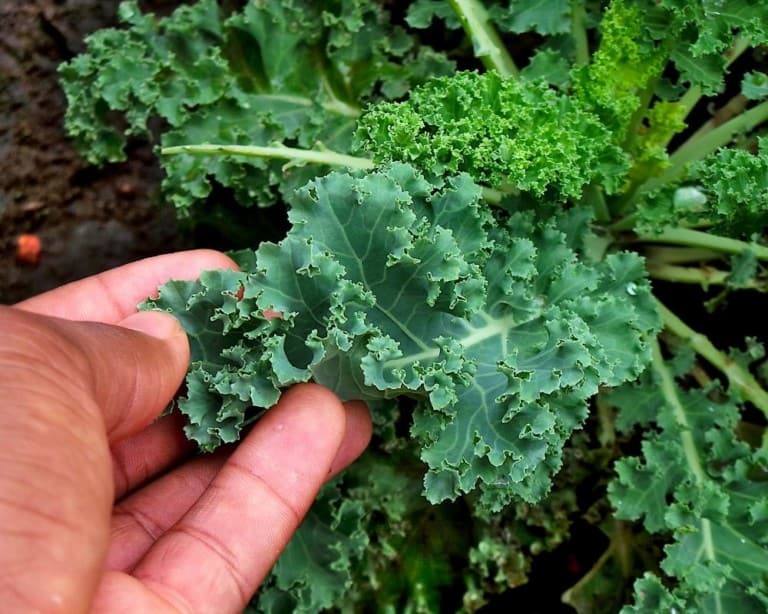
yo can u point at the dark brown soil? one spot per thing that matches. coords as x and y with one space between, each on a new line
88 219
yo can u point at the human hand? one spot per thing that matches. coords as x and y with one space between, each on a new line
89 517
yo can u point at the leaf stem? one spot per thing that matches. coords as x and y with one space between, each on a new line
738 377
579 32
704 277
669 392
687 275
280 152
698 147
593 195
485 40
732 108
680 255
696 238
691 98
335 103
606 431
297 156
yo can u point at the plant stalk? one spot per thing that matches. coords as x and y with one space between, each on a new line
704 277
680 255
738 377
579 32
706 240
296 156
280 152
485 39
669 392
692 456
695 149
731 109
593 195
692 97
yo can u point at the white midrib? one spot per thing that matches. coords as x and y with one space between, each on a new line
332 105
689 445
494 327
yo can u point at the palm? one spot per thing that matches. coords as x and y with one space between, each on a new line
83 521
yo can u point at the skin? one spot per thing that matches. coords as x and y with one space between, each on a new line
101 508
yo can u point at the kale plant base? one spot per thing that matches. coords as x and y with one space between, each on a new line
476 264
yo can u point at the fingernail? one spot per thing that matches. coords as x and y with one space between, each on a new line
155 323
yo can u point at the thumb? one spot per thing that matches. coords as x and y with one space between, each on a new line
136 368
67 386
131 370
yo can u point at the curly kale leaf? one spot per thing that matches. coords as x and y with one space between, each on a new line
280 71
541 16
545 17
754 85
729 188
503 132
699 482
624 65
737 183
704 31
317 567
390 286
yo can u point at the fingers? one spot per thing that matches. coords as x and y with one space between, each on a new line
356 437
139 458
131 371
217 554
129 375
143 517
55 486
113 295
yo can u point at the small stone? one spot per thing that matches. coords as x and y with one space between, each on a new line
125 188
31 205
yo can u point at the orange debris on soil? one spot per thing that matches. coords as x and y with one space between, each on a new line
28 248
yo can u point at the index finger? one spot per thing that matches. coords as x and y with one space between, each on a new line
215 557
112 296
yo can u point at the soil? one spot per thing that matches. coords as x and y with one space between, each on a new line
88 219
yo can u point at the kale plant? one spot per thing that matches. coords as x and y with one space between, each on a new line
480 195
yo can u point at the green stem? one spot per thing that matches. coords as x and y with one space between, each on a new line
695 149
607 431
735 106
280 152
334 87
680 255
696 238
622 546
485 40
568 597
738 377
694 94
594 196
295 156
691 98
579 32
626 223
689 275
669 392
